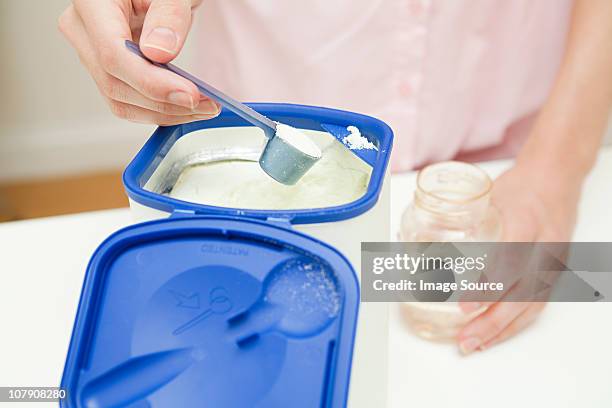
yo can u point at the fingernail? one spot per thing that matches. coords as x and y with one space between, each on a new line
208 107
182 99
204 117
469 307
163 39
468 345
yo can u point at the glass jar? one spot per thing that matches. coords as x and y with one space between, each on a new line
451 204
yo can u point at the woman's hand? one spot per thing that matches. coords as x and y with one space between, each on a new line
538 198
535 204
135 89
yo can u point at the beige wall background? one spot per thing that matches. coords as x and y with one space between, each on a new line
52 121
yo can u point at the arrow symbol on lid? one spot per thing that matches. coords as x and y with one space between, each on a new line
191 301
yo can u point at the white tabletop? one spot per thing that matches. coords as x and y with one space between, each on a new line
562 361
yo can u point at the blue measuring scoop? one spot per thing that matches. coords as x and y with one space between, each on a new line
280 160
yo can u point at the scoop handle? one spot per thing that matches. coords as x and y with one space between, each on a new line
239 108
136 378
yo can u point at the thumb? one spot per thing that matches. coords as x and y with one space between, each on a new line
165 29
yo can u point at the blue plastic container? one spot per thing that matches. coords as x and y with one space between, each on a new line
217 307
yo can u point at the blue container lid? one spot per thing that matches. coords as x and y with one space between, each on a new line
155 149
208 311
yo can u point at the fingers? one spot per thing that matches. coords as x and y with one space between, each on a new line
507 264
118 93
528 316
154 82
106 24
116 90
141 115
497 318
165 29
489 325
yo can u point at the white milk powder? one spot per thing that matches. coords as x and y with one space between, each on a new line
297 139
355 141
337 178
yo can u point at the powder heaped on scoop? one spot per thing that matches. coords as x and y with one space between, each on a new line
297 139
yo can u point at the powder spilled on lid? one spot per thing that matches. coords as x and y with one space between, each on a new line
355 141
297 139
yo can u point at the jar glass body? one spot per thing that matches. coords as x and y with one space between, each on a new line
451 204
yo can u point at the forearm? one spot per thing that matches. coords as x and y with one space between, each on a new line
568 132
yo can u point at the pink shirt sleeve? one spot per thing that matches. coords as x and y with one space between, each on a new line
450 77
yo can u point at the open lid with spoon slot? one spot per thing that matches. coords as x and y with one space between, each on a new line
213 311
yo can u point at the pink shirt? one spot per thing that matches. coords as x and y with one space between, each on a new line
449 76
